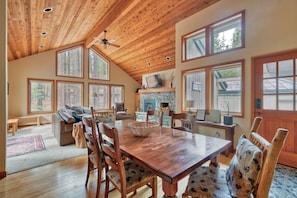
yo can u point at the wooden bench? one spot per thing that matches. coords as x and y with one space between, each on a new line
30 117
12 125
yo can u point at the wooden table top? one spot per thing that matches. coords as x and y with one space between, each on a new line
171 154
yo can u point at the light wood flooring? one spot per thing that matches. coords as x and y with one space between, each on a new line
66 179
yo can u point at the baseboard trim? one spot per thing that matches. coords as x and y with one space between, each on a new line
2 174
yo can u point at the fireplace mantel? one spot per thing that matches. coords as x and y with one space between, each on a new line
156 90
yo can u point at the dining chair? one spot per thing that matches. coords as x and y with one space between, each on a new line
182 121
95 155
250 172
256 124
126 175
154 116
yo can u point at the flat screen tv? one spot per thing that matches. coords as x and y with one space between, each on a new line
154 81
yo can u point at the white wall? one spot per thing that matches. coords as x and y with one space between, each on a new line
270 27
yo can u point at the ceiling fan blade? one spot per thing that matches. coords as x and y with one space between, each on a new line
112 44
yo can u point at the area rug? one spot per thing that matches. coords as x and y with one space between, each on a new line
53 152
22 145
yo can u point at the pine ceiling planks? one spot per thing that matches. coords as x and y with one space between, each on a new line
145 30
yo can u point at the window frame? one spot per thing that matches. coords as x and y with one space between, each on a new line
81 63
89 65
29 100
109 95
209 38
209 101
69 82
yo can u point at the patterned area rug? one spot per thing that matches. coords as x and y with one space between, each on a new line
284 182
22 145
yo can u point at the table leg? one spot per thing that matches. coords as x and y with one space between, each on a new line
169 189
229 135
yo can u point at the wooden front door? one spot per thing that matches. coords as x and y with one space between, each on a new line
274 80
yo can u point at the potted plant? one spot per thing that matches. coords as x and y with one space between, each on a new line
228 119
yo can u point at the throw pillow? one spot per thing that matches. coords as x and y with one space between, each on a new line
244 169
78 109
66 116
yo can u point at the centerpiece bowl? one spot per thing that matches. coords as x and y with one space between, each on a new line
143 129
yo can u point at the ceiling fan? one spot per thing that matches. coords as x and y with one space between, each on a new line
105 41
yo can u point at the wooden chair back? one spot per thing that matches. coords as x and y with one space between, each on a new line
182 121
256 124
95 155
271 153
110 145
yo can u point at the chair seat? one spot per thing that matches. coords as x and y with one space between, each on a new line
134 174
208 182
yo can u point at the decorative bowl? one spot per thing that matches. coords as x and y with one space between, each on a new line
143 129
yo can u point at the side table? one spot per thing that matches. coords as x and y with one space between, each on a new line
13 123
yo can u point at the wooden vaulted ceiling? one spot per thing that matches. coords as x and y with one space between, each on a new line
144 29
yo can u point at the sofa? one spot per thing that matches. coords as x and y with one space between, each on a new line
63 120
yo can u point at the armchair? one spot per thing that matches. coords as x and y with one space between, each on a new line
119 109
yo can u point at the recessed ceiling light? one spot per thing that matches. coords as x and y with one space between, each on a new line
168 58
43 33
47 10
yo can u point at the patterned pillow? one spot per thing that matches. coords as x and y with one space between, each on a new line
244 169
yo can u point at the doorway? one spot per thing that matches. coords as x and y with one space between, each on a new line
274 78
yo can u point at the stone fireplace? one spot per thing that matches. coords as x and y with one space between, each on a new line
153 99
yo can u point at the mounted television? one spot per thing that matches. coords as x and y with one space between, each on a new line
154 81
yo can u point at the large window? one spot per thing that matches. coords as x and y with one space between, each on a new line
69 62
222 36
195 89
223 92
98 66
70 93
40 94
227 88
105 96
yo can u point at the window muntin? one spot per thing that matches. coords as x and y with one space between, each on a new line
70 93
222 36
279 85
227 88
98 66
69 62
195 90
41 96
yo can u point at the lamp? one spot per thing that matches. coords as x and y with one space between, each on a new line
189 104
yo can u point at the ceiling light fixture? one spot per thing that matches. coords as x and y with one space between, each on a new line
168 58
47 10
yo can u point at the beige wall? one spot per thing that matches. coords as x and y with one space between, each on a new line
43 66
3 80
270 27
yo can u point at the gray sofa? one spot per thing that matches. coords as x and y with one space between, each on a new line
62 123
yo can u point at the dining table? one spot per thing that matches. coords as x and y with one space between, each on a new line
171 154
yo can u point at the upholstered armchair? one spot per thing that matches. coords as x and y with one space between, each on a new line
119 109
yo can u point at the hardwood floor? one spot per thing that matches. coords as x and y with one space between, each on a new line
66 179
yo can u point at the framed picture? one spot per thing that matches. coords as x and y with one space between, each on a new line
196 86
154 81
200 115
